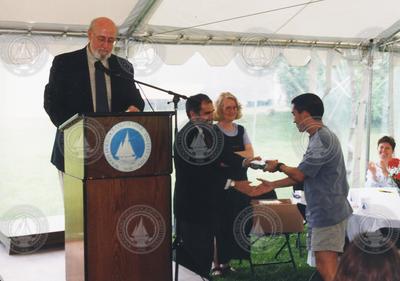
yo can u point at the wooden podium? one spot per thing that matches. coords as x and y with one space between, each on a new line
117 194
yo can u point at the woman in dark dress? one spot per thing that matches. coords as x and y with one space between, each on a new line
232 202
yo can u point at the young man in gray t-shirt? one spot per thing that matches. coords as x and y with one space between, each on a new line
323 172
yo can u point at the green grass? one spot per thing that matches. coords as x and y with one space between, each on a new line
280 272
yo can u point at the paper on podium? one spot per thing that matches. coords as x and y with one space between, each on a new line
269 202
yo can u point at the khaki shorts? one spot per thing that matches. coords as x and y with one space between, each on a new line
328 238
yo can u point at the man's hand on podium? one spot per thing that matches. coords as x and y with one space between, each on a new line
132 108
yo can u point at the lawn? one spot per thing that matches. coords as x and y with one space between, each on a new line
279 272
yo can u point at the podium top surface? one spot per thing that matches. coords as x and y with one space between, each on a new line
80 116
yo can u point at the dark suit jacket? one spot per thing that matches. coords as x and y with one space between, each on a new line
69 92
199 189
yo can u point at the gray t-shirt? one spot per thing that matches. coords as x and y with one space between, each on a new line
325 183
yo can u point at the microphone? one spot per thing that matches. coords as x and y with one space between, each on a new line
99 66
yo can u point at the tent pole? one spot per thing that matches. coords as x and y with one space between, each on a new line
391 96
370 64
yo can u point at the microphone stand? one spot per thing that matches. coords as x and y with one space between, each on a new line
177 243
177 97
175 100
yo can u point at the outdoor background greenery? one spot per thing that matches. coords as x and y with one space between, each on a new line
27 177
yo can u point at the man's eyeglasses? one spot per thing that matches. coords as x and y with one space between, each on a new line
103 39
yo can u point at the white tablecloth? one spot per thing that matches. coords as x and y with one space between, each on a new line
373 208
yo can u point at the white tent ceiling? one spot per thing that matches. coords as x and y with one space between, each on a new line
339 19
62 13
178 25
319 20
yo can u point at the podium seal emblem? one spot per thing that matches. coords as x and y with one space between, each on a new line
127 146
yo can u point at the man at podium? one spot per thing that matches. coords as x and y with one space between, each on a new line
89 80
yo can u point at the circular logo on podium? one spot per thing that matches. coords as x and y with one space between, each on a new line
141 229
127 146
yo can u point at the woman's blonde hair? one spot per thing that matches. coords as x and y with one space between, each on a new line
219 104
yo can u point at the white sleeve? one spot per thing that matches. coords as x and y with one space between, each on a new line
370 181
246 139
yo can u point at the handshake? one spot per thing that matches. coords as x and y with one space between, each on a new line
265 186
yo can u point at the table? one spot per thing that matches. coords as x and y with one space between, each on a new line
373 208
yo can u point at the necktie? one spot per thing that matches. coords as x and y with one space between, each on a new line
101 91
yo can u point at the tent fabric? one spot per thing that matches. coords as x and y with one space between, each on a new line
62 15
301 19
208 22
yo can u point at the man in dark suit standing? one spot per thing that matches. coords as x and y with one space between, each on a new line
78 83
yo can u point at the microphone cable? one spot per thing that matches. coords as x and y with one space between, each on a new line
142 92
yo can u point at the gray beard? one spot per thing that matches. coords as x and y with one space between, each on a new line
99 57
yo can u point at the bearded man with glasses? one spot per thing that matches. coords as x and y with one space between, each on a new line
89 80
